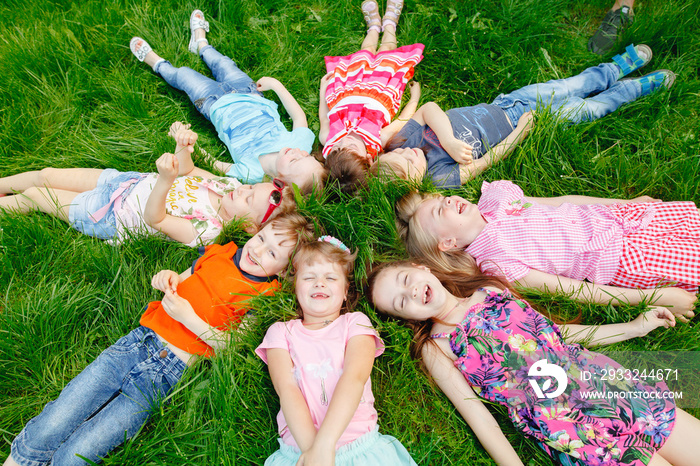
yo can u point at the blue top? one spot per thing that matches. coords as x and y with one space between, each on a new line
250 126
481 126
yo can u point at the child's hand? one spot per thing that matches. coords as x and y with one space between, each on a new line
460 151
177 307
679 301
266 83
414 86
324 84
177 126
655 317
166 280
168 167
185 139
317 456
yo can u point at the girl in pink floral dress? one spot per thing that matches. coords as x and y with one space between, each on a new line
487 342
362 93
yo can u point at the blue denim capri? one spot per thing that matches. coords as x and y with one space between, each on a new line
107 402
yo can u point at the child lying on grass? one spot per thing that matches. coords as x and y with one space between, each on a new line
115 395
247 123
186 203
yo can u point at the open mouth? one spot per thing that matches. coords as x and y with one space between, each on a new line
461 206
252 260
427 294
319 296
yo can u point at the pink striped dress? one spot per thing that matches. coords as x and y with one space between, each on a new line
365 93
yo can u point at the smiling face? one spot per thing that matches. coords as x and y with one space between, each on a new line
410 161
247 201
409 292
321 288
454 221
267 253
298 167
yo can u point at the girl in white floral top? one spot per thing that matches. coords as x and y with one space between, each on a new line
186 203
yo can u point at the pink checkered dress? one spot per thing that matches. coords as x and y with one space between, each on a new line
630 245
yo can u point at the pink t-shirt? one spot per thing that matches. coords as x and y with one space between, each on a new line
575 241
318 357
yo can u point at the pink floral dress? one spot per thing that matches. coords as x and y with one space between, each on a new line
497 344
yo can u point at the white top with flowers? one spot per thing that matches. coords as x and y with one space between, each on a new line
188 198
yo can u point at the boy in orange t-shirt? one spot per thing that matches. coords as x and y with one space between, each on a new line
114 396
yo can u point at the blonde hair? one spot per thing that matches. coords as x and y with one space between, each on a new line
309 253
421 244
390 166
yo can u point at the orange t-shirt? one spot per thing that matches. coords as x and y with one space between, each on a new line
217 290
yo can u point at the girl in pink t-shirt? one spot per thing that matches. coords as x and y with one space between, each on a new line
598 250
320 366
362 93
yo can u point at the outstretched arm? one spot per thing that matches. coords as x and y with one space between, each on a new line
481 421
324 123
155 214
288 101
595 335
499 151
679 301
432 115
585 200
359 359
406 114
292 402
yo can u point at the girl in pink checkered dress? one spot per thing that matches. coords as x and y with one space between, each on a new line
597 250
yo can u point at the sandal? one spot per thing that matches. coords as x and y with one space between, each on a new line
139 48
606 35
656 80
197 21
370 10
392 13
633 59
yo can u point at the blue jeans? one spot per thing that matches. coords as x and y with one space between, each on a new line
568 97
203 91
109 400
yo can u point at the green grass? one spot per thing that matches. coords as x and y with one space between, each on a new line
72 95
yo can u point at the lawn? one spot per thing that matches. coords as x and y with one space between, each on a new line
72 95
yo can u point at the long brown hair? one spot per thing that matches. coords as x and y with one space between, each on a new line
461 285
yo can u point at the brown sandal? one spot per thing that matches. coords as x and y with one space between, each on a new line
370 10
392 13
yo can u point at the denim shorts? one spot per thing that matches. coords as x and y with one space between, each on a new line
107 402
85 205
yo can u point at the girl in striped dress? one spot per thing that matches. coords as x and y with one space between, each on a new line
362 92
